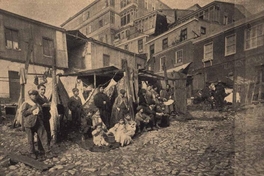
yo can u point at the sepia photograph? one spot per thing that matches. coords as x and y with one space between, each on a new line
132 87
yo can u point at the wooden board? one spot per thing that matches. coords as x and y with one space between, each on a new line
30 162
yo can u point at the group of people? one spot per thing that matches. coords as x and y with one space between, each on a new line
106 120
37 121
214 95
115 119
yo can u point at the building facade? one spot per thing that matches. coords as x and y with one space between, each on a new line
233 54
16 34
103 19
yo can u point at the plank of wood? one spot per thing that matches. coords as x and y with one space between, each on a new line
30 162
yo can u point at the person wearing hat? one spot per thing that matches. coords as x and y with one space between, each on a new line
33 123
45 104
75 105
120 108
141 119
102 102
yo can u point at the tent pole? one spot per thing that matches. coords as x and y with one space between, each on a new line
94 80
54 121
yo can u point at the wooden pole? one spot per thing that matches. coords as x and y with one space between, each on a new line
54 121
129 95
234 86
165 72
95 81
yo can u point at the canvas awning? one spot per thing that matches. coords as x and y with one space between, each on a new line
181 68
103 71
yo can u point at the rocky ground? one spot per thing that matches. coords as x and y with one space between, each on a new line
207 144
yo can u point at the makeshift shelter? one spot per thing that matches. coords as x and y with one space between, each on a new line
111 77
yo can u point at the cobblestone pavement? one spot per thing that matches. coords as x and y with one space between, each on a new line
202 146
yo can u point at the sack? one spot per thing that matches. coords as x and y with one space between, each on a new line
30 121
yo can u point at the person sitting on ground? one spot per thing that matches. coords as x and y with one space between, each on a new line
120 133
86 124
130 126
75 105
33 123
98 136
141 119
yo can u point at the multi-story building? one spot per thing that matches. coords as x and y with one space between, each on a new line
86 53
174 48
17 33
102 19
233 54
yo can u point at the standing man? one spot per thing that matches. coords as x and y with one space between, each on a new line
167 94
33 122
43 101
75 105
219 95
102 102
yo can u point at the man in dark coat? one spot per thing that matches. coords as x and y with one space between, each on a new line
75 105
219 95
43 101
102 102
33 122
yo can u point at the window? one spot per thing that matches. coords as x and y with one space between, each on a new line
100 23
106 60
127 33
88 29
254 36
208 52
140 45
123 64
153 5
11 37
225 20
230 44
151 50
126 47
183 34
47 47
146 4
127 17
162 63
124 3
203 30
112 17
178 57
165 43
86 15
112 3
139 66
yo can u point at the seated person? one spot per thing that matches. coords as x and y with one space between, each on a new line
98 136
130 126
86 123
141 119
121 134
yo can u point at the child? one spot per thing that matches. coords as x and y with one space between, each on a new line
141 119
98 136
120 133
86 123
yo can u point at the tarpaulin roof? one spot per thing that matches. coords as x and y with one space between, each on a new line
177 69
103 71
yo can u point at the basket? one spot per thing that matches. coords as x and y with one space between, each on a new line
110 138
